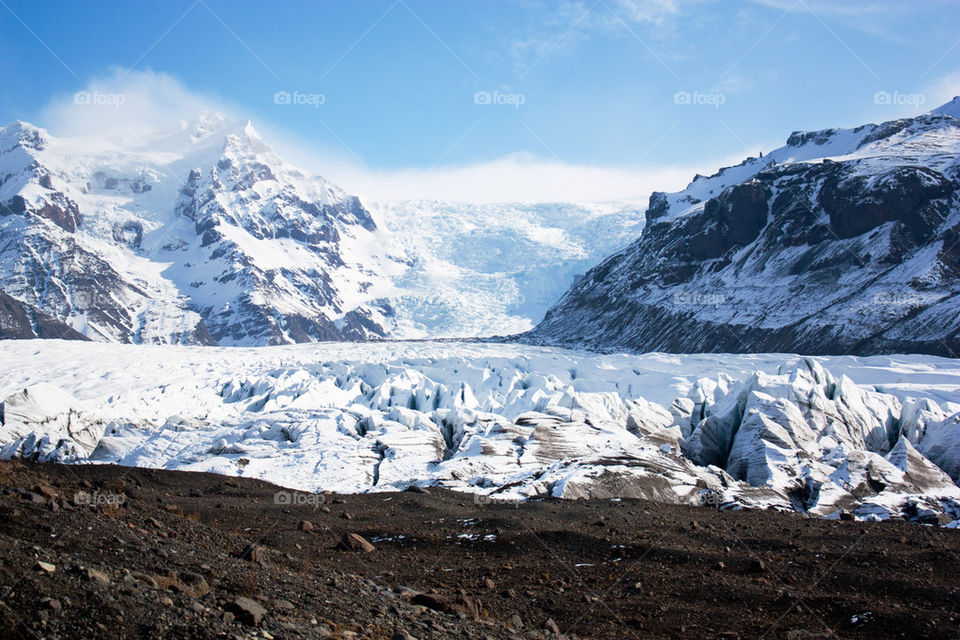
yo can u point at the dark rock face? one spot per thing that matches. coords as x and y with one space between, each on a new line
911 195
19 321
859 255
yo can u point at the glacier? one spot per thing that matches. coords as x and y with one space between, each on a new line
865 437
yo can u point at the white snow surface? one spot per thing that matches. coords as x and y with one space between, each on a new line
492 269
815 434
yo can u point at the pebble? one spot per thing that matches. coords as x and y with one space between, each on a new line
46 567
248 611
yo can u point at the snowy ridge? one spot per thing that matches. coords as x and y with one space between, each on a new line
878 437
841 241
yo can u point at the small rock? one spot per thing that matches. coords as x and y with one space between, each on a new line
400 634
194 583
51 604
46 567
46 491
551 626
197 607
166 601
137 577
515 622
254 553
719 566
346 516
305 525
95 575
249 612
489 584
757 565
447 604
356 542
416 489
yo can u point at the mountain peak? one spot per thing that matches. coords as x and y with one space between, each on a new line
24 134
951 108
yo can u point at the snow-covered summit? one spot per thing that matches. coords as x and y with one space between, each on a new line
951 108
198 235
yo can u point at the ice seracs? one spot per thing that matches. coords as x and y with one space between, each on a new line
817 435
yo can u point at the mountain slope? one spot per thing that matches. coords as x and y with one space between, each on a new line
842 241
201 236
22 322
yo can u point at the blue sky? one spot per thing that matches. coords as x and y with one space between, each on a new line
585 89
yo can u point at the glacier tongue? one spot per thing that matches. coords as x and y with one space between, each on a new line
811 434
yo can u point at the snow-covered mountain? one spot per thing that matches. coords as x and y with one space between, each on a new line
876 437
204 235
841 241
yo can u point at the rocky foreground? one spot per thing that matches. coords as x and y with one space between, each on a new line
104 551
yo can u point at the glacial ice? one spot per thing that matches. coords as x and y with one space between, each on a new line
817 435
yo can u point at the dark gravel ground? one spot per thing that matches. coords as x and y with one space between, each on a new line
101 551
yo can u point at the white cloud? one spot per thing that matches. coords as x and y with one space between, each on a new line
514 178
127 108
156 103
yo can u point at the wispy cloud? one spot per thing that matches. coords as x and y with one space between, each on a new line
154 103
127 108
